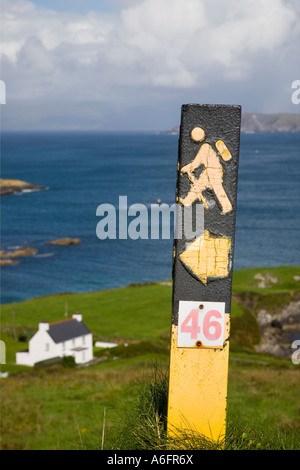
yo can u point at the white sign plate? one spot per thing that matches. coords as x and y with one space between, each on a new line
201 324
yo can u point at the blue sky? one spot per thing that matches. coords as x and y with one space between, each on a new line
131 64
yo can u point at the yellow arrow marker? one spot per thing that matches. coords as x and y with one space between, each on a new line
208 256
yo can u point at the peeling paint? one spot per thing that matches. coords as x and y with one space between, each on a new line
207 171
198 388
208 256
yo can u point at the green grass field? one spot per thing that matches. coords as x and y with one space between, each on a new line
73 408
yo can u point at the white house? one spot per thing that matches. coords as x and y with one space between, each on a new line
69 337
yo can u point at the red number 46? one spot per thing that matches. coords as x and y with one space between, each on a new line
212 329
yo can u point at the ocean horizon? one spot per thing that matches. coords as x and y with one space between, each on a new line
82 170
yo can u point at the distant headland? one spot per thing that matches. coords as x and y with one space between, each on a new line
255 122
17 186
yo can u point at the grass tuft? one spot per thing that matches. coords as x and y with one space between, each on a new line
144 427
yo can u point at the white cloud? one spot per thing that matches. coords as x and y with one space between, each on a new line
149 45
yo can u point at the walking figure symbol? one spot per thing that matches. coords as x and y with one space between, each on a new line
211 176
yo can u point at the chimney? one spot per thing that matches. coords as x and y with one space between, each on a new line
43 326
77 316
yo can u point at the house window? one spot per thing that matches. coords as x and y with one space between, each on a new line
83 356
63 346
73 342
47 347
83 340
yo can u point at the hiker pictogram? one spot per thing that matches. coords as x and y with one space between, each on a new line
211 176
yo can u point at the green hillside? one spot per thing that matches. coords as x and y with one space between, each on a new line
63 408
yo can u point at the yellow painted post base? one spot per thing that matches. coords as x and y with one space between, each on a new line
198 389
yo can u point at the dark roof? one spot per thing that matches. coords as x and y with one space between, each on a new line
67 329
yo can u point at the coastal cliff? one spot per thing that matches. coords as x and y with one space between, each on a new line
255 122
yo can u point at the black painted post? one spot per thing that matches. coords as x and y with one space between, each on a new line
202 269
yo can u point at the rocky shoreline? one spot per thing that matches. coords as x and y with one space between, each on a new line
278 330
8 258
8 187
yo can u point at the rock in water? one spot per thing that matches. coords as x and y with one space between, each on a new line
18 253
8 258
8 262
66 241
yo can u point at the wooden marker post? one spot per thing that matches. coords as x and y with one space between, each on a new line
202 271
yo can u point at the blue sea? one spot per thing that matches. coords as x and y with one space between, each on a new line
84 170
